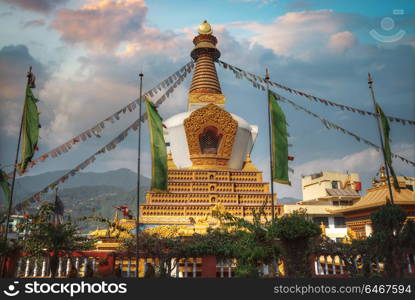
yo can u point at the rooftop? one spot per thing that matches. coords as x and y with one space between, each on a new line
379 196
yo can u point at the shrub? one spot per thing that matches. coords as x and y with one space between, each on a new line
296 232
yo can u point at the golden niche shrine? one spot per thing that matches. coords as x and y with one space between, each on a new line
209 154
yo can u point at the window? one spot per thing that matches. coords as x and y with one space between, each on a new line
209 140
319 220
335 184
339 222
316 175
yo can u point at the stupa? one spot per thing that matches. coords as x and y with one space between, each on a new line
209 154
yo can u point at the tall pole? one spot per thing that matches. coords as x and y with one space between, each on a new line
137 228
56 203
270 148
16 160
370 83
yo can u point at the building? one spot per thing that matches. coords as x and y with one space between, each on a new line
13 233
324 191
209 147
357 216
331 188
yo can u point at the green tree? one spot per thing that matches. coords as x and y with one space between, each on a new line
296 233
251 243
165 249
392 238
46 238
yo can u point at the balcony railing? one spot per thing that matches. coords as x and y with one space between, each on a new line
109 263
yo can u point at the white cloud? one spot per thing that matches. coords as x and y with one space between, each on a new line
10 124
341 41
101 25
176 103
301 35
117 27
73 106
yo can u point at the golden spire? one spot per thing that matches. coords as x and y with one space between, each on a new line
248 165
323 228
116 219
170 162
382 175
205 87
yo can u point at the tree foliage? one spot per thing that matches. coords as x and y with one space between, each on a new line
392 239
44 237
296 232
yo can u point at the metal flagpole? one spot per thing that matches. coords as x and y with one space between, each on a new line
137 228
270 148
29 79
56 203
370 82
9 209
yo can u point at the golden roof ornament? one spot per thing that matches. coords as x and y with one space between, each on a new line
382 175
170 162
323 228
248 165
205 28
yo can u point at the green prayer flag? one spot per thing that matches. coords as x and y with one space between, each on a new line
279 142
158 149
5 186
386 144
30 129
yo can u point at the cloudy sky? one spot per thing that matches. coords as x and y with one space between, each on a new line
87 56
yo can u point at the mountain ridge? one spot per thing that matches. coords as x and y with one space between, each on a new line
123 178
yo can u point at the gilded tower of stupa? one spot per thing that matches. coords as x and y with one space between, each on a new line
209 154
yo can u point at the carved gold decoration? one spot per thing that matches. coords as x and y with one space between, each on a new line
170 162
168 231
248 165
195 124
110 237
218 99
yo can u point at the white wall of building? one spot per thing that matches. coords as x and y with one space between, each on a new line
316 188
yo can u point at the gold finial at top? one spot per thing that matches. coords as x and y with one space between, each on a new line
374 182
205 28
382 175
170 162
248 165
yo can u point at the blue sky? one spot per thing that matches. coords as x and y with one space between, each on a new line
87 55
